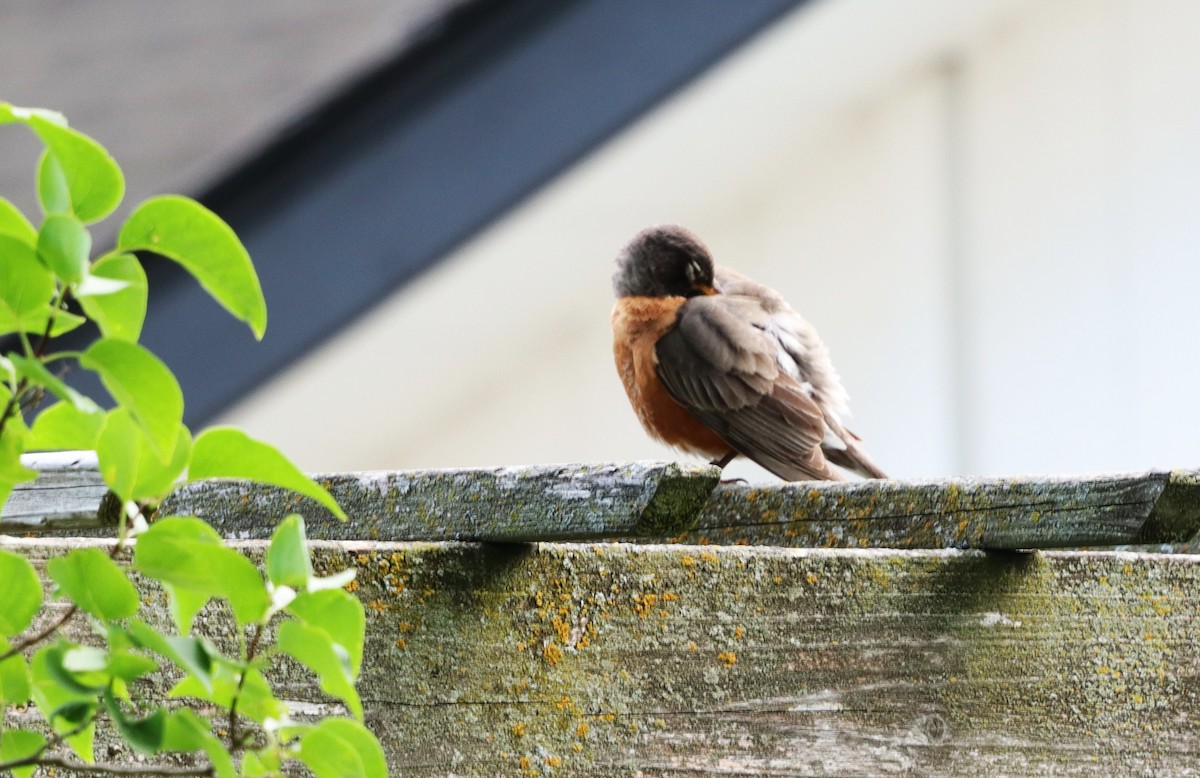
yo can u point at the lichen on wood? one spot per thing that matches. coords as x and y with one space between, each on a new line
988 513
513 504
610 659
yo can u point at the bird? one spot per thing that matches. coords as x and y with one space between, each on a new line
717 364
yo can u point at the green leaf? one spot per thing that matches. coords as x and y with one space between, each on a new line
53 700
145 735
95 583
314 649
40 375
17 744
26 285
288 563
341 748
64 321
53 192
182 229
130 465
194 656
82 683
14 113
64 244
187 731
14 678
93 179
340 615
63 427
255 699
85 659
14 223
12 472
261 764
120 314
188 554
22 593
129 666
225 452
139 381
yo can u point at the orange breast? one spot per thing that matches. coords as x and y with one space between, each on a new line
638 323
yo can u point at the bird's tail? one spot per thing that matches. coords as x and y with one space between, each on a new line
851 456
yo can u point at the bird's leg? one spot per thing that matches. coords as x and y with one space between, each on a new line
721 462
725 460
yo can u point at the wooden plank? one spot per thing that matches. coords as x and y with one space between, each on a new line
65 496
510 504
654 501
989 513
1176 515
618 660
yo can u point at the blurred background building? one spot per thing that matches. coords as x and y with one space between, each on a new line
987 208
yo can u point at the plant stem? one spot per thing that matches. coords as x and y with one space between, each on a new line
234 740
50 629
104 769
41 634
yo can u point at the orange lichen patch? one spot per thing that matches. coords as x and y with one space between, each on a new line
577 748
738 633
562 629
811 578
692 646
670 596
351 587
553 761
552 654
401 643
727 658
377 605
518 730
363 559
582 730
710 558
643 604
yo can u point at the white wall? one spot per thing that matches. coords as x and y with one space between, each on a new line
985 207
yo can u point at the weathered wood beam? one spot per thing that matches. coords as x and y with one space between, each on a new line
668 501
539 502
989 513
66 495
616 659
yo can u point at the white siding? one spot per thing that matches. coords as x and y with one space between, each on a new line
988 209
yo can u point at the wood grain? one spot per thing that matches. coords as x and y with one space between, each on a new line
619 660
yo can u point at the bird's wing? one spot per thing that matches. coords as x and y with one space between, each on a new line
802 355
720 362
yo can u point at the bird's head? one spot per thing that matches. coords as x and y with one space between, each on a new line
666 261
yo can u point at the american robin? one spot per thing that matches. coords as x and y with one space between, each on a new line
720 365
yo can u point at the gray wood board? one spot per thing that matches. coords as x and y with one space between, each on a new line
617 659
995 513
655 500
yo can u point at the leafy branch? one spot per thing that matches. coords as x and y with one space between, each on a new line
144 451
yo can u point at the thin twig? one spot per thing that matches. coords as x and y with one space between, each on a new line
234 740
41 634
50 629
105 769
